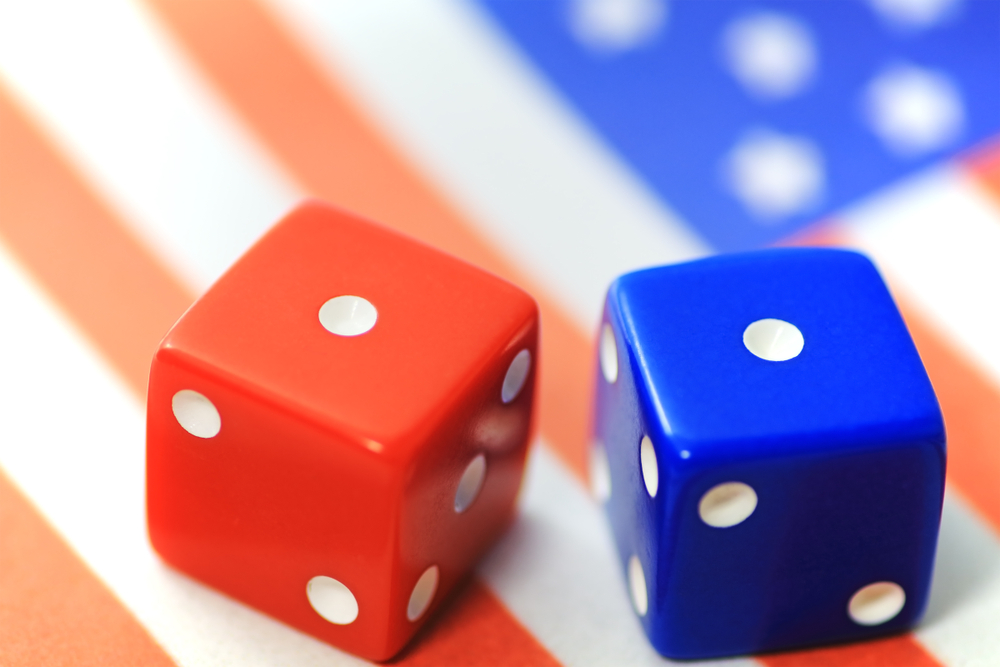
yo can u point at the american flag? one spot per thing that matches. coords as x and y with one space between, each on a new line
145 145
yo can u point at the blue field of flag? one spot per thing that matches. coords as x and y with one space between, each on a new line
752 118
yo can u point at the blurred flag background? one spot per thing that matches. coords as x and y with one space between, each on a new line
145 145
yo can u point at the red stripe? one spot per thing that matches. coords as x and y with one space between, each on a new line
478 614
984 165
53 610
900 651
115 290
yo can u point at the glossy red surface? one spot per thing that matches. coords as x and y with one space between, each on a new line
339 456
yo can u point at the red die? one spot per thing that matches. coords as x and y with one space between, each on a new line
337 429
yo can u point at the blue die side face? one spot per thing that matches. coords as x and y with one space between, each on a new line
828 465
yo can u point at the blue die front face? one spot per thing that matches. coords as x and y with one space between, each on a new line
773 498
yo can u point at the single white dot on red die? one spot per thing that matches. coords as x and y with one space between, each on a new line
196 414
650 469
348 315
876 603
423 593
609 354
637 586
332 600
516 375
470 484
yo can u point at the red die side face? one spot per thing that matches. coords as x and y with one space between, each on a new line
337 429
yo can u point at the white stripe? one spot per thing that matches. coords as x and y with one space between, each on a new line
465 107
937 237
72 437
558 572
963 617
136 118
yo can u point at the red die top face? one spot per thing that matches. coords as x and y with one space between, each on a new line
368 411
435 321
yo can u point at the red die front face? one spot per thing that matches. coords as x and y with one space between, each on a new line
337 429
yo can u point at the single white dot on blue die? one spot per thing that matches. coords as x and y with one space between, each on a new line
775 454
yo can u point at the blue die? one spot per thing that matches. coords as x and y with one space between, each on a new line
770 451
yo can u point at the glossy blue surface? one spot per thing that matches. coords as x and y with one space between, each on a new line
671 109
843 444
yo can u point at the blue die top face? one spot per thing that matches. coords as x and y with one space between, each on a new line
858 380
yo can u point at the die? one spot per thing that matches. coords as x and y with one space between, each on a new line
337 429
770 452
